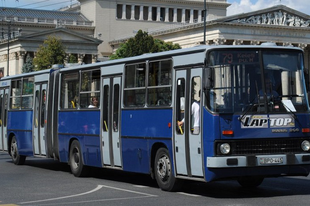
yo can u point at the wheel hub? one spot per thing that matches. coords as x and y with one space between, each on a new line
163 168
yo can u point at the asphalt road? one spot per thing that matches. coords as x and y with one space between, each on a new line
48 182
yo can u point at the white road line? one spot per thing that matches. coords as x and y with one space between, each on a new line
192 195
92 191
131 191
59 198
92 201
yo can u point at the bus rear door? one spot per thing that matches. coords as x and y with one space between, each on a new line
188 137
40 109
3 118
110 116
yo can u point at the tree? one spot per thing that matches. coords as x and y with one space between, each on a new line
28 66
51 52
142 43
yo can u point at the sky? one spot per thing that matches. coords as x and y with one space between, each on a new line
237 6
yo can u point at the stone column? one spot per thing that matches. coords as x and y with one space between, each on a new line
94 58
255 42
141 13
124 11
287 44
238 42
150 14
132 12
158 14
80 58
21 62
183 16
302 46
191 19
166 14
66 60
219 41
175 15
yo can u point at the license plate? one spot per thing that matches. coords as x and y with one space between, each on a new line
270 160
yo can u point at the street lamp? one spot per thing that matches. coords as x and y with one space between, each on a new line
204 22
8 55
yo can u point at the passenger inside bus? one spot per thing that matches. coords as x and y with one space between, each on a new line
94 103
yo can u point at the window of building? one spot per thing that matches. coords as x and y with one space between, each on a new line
145 13
171 14
154 13
128 11
137 12
119 11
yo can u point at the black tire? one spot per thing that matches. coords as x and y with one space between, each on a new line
16 158
250 182
77 166
163 171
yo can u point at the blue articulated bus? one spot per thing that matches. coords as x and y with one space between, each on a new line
204 113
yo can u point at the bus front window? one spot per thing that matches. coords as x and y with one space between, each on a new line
240 83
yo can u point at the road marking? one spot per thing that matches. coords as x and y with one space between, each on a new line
192 195
131 191
92 191
59 198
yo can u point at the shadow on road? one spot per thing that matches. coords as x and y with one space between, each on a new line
271 187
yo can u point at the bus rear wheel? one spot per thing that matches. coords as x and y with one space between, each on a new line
163 171
16 158
250 182
78 169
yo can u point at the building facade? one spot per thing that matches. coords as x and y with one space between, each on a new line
94 29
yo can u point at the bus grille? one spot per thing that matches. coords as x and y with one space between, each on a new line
265 146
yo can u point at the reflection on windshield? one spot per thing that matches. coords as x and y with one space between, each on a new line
240 84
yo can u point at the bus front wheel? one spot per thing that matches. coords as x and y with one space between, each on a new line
163 171
78 169
16 158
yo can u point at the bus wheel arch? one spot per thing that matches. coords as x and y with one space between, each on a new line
13 151
76 162
163 171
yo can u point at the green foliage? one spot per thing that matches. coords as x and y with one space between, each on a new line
72 59
28 66
142 43
51 52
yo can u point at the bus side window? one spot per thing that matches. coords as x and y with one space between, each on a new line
180 104
135 88
69 91
90 89
16 91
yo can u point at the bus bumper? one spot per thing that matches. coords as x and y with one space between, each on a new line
257 160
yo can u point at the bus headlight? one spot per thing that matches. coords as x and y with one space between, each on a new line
225 148
305 145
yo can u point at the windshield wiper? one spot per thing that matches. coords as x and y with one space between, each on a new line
249 108
289 110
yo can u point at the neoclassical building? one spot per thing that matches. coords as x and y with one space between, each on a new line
279 24
94 29
86 29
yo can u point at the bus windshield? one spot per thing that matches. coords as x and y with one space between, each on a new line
258 81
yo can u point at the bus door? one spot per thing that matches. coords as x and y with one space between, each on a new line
187 120
110 119
3 118
39 119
